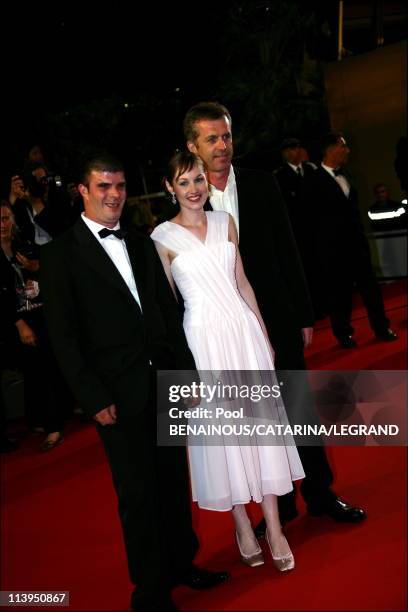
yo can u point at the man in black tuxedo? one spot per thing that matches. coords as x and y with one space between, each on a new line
341 244
113 322
291 178
273 267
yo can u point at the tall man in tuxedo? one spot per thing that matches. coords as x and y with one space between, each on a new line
341 244
113 322
273 266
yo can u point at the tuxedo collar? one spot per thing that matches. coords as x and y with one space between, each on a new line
95 256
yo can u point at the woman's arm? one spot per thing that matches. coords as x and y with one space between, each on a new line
243 284
165 258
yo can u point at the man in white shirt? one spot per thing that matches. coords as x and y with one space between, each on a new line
113 322
342 246
272 264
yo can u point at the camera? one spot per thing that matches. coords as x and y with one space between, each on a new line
52 180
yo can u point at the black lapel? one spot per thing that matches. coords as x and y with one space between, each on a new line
330 180
244 200
94 255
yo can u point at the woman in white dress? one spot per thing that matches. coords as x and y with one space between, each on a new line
225 331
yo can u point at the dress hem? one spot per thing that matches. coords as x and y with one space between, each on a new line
241 503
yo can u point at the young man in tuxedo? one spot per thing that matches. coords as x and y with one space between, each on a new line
273 266
113 322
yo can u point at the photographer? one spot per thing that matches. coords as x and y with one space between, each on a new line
39 204
23 331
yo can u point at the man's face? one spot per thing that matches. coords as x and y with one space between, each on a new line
104 197
293 155
340 152
40 174
213 144
381 193
35 154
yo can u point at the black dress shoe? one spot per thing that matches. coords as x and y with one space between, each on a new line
386 336
346 342
201 579
340 511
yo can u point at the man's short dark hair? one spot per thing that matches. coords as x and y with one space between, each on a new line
329 140
290 143
99 163
203 111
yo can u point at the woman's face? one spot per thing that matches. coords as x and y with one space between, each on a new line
191 188
7 222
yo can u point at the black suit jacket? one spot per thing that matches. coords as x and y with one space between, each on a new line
102 340
339 232
292 189
270 256
52 219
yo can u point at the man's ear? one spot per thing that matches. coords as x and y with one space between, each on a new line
83 190
191 147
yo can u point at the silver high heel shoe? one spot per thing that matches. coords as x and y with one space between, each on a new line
283 563
251 560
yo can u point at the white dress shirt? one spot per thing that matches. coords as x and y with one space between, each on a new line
341 180
296 168
117 251
226 200
41 236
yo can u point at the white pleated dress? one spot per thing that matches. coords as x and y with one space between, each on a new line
224 334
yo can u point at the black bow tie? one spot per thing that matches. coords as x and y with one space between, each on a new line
338 172
119 233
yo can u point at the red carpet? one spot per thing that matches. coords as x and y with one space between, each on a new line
54 538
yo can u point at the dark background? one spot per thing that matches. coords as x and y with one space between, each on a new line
121 78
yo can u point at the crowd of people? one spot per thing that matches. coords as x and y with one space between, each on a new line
36 211
100 302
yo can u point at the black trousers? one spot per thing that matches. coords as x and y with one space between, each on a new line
44 388
291 370
151 484
341 294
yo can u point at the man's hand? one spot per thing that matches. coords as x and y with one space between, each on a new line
107 416
33 265
27 335
307 333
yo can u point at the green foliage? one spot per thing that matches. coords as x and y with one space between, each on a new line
267 79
